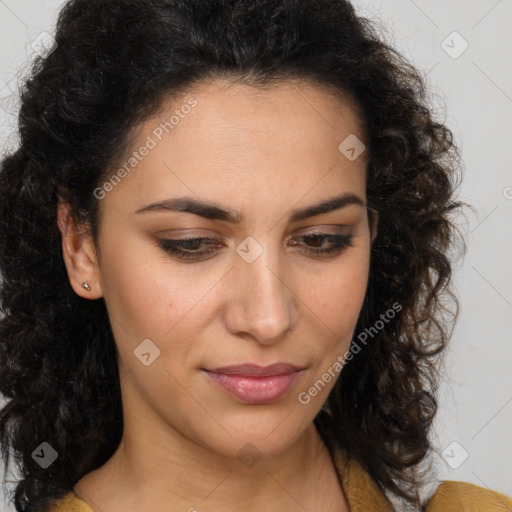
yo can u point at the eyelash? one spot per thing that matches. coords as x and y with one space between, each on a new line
175 246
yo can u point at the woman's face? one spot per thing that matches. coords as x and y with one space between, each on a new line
265 289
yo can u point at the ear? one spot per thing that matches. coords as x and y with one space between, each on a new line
79 254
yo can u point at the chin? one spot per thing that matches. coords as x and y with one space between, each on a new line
258 436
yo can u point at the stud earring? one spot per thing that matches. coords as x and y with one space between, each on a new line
85 285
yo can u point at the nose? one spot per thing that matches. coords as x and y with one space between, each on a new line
263 305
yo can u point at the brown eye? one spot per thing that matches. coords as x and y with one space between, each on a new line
187 248
338 243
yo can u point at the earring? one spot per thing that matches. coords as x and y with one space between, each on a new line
85 285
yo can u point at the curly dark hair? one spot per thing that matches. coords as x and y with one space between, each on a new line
116 61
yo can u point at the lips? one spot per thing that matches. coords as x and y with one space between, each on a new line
254 370
255 384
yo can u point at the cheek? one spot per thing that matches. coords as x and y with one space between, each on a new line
336 294
149 297
142 300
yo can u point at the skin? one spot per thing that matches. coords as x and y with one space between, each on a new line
261 152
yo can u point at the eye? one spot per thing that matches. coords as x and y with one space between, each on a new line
188 248
339 242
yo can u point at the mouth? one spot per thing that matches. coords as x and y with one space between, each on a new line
254 384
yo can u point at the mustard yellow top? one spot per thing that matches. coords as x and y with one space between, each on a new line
364 495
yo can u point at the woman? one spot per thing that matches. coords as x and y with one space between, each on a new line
224 246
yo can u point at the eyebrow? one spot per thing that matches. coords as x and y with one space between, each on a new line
216 212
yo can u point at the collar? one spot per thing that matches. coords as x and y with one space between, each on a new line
362 492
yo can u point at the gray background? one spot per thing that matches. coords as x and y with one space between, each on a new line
473 429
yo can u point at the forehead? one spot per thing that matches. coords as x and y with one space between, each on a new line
282 108
225 138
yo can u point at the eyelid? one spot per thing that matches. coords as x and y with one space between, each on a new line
324 229
190 234
340 241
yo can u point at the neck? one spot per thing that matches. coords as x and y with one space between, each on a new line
157 468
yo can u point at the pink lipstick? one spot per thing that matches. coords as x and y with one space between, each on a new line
254 384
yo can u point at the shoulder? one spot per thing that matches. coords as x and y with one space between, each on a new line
70 503
452 496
